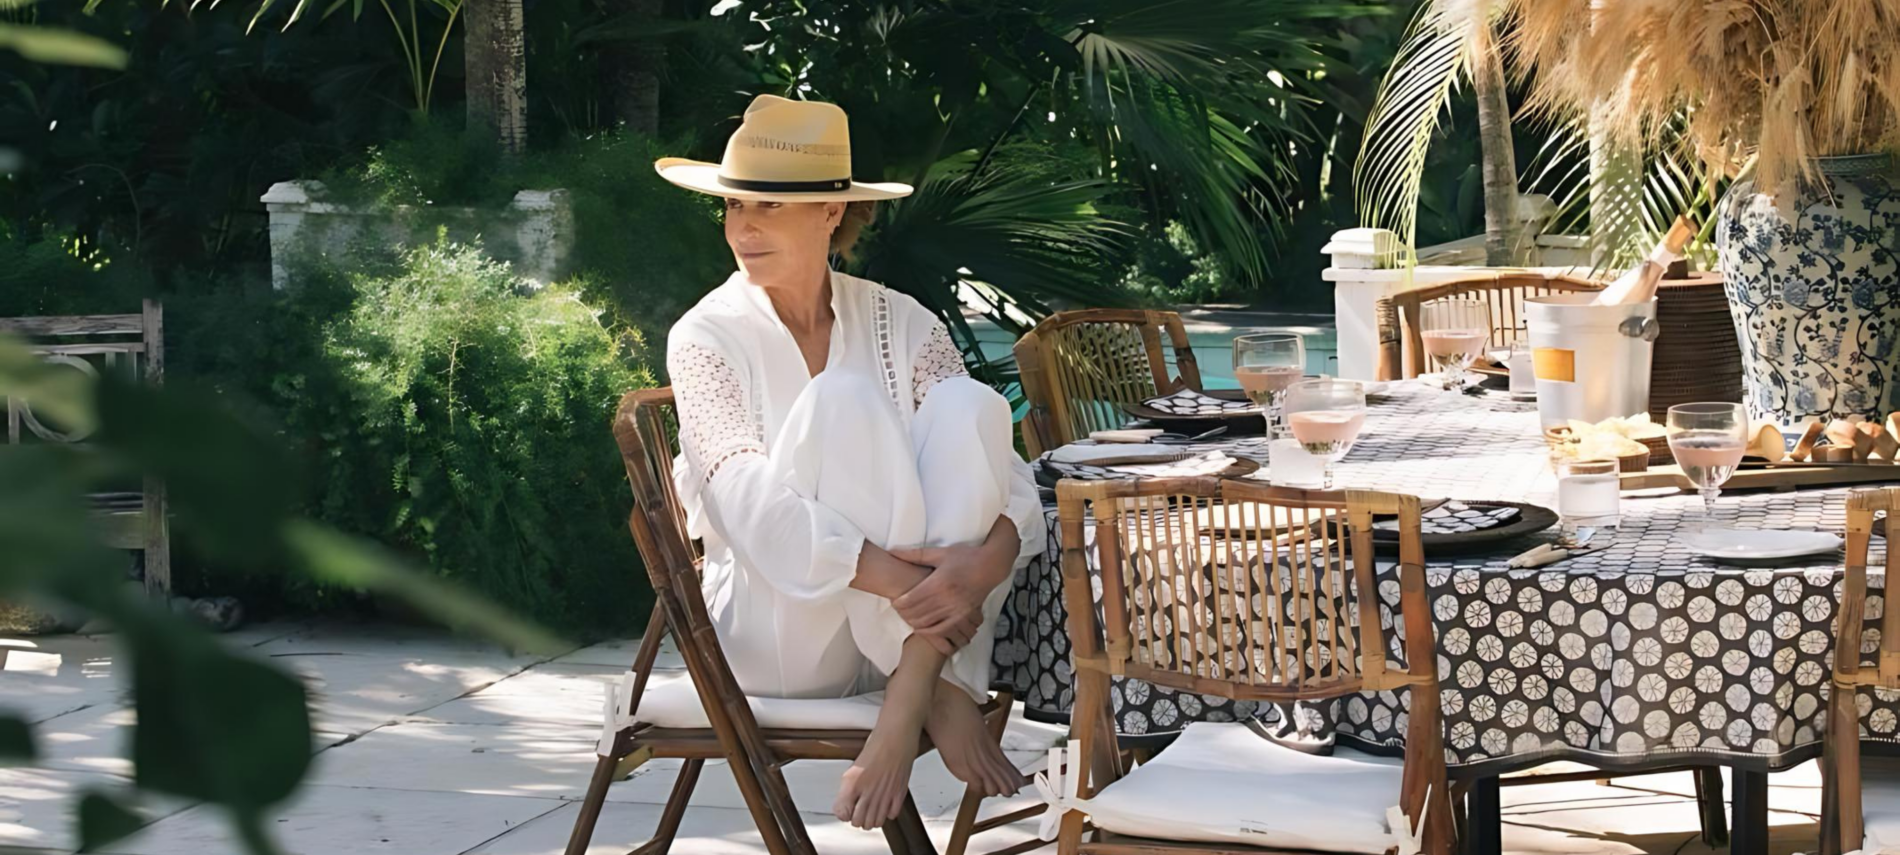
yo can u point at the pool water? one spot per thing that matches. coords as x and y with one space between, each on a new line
1212 344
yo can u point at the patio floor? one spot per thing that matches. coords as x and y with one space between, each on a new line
430 745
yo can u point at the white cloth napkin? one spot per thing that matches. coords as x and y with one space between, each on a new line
1087 455
1210 463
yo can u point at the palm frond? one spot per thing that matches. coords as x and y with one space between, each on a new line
1182 102
1655 186
1412 100
1030 241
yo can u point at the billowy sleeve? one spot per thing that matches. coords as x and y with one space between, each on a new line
938 358
802 548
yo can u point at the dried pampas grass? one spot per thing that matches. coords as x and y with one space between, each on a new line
1782 80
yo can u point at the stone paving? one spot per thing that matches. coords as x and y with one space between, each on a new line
433 745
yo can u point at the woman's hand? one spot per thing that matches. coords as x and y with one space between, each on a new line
950 599
948 604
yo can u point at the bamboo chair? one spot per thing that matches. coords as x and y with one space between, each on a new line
756 755
132 345
1079 367
1197 533
1842 811
1402 348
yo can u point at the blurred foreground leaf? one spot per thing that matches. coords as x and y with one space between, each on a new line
231 486
337 557
60 394
213 724
61 47
103 820
16 740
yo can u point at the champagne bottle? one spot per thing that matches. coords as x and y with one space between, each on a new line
1638 284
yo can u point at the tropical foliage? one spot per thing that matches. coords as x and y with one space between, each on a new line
431 409
214 725
1622 189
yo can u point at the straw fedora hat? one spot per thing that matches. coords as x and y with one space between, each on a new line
784 151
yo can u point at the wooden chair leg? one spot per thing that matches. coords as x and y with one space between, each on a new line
675 809
965 825
1712 806
775 797
1830 802
590 806
906 834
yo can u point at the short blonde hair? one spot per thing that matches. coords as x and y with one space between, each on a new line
857 215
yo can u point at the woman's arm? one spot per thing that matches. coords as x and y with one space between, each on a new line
885 574
803 548
960 579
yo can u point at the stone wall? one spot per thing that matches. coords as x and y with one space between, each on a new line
534 233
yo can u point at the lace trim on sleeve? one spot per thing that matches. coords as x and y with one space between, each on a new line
937 360
718 420
886 351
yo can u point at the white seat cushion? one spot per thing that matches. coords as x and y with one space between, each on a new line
1880 804
1223 783
671 701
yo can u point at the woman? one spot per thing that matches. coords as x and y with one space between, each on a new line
859 497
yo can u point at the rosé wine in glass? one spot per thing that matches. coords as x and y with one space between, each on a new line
1454 332
1263 383
1326 417
1708 441
1265 364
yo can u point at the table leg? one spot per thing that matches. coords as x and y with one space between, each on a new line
1748 820
1710 803
1484 832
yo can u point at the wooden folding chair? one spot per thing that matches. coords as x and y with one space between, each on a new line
756 755
1079 367
1401 345
1842 811
1221 543
132 346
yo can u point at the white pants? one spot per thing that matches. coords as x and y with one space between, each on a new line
942 482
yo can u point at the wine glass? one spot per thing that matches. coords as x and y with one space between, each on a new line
1266 364
1454 332
1326 417
1708 441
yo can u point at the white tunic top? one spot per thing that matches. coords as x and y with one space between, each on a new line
736 370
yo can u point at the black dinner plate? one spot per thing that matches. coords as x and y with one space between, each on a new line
1440 538
1243 424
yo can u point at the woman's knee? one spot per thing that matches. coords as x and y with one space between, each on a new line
968 399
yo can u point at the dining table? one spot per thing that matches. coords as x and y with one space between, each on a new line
1638 655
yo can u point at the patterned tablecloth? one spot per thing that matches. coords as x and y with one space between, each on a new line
1638 655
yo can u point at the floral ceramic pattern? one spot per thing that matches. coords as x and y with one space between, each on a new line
1814 287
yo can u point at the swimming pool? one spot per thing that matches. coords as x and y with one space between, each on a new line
1212 339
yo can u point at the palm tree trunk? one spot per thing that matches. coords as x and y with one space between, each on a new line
496 62
633 68
1502 243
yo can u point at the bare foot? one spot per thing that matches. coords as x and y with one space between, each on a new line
874 788
956 727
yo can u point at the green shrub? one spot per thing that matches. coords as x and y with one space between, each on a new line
65 275
438 403
645 249
461 414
